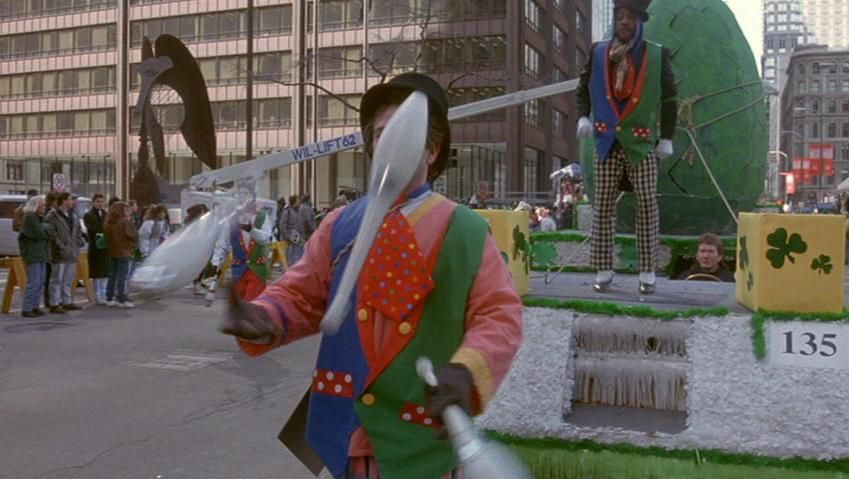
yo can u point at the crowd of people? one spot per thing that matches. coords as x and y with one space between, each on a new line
51 235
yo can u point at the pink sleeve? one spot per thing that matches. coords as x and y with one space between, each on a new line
297 301
493 325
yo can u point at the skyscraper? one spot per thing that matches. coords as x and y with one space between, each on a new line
784 29
602 18
827 20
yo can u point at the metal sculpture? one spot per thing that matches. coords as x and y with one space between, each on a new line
171 64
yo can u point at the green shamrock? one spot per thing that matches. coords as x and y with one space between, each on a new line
744 253
544 254
782 247
523 246
823 264
751 283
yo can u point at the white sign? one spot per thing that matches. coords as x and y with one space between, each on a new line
808 344
58 182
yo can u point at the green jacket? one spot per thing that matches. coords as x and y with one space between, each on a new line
32 239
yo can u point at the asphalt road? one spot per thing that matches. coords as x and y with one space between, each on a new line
152 392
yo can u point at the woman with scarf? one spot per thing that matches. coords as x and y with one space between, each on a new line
629 88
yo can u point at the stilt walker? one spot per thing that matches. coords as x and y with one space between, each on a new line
629 87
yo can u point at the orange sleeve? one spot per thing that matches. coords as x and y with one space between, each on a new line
493 325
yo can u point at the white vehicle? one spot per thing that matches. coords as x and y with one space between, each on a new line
8 205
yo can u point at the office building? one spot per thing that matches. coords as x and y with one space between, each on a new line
63 107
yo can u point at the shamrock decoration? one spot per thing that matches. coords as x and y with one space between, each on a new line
744 253
823 264
751 282
544 253
783 247
523 247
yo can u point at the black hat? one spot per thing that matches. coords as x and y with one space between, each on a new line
377 95
638 6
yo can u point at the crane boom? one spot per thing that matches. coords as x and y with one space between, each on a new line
251 171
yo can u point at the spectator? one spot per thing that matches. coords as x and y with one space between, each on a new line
306 217
154 229
281 205
121 238
66 238
32 241
291 232
135 216
194 212
709 261
547 223
18 215
49 203
98 261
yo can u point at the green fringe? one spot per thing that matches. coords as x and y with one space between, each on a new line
760 318
612 309
584 459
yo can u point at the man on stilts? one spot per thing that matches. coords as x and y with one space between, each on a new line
629 87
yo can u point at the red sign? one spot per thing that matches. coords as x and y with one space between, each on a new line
821 150
789 183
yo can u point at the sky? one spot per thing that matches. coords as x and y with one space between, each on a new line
750 17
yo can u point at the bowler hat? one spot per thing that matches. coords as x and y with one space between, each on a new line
639 7
378 95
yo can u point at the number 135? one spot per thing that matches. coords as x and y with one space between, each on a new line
810 346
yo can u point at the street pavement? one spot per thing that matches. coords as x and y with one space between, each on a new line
152 392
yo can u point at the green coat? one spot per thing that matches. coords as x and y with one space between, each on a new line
32 239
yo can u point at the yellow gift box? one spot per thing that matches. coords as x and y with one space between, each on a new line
511 234
790 262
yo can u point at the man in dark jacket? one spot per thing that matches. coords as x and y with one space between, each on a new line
628 86
98 261
66 238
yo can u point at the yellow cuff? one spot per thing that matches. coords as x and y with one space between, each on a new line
476 364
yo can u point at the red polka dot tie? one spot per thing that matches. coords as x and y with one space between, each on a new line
395 277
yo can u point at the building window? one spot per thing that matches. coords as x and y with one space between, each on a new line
815 130
533 60
559 39
844 107
559 122
533 15
832 130
815 106
815 86
845 130
581 23
531 169
831 86
801 87
333 111
533 112
801 68
14 171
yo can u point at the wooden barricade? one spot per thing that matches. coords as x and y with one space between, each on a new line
17 279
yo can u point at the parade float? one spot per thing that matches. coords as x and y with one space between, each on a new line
604 390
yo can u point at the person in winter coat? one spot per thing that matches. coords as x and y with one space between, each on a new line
66 239
98 260
121 239
32 240
154 229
